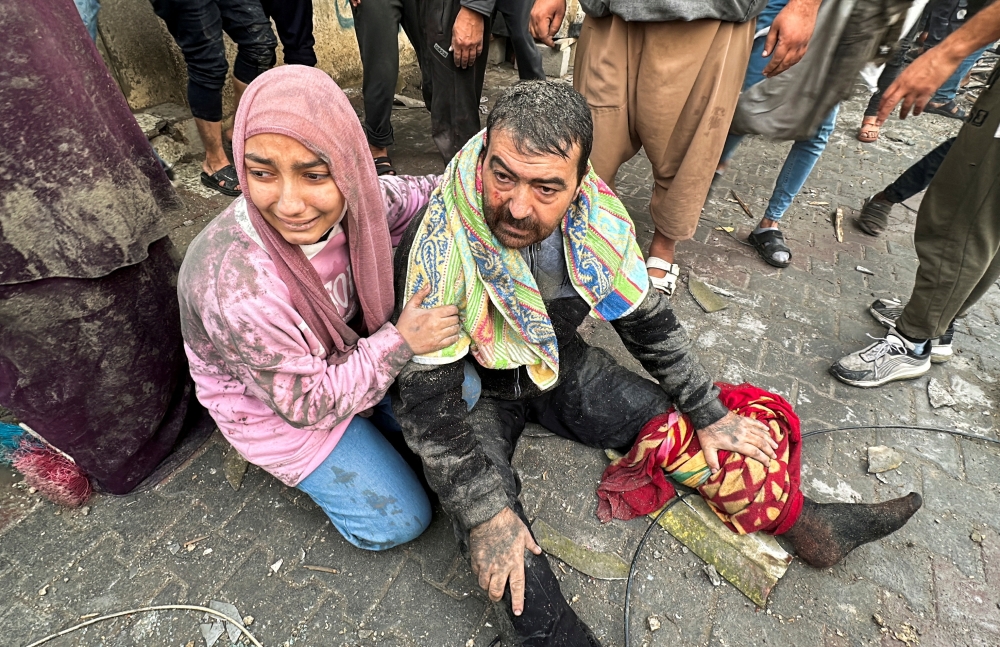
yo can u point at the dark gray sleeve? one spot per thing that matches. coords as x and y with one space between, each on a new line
484 7
654 336
427 401
432 413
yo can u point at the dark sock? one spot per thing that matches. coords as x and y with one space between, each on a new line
825 532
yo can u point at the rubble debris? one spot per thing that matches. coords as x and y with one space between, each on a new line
402 102
752 563
653 622
743 205
212 631
213 627
705 296
882 459
275 566
602 566
713 575
939 395
234 467
321 569
977 537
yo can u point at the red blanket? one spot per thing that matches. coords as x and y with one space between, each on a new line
746 495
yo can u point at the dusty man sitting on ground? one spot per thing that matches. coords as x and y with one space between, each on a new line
526 240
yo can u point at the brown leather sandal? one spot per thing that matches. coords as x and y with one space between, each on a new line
868 133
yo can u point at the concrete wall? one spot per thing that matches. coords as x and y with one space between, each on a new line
150 69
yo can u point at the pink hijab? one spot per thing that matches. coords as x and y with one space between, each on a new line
305 104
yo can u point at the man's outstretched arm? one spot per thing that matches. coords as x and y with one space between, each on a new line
654 336
918 82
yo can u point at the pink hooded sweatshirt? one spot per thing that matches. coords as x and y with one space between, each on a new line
258 368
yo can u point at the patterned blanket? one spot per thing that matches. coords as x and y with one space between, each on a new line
747 496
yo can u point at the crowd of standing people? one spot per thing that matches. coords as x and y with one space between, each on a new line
374 380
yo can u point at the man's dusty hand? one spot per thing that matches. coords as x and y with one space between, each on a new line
467 37
789 35
497 552
736 433
917 84
546 19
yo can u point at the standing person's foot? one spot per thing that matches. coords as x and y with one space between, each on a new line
874 217
770 245
825 533
868 133
887 311
383 164
769 242
887 360
222 179
948 109
671 271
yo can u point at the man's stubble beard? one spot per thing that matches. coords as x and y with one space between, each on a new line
532 232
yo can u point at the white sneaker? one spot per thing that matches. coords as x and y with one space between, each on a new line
887 311
887 360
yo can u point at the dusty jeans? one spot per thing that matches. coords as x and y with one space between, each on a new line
598 403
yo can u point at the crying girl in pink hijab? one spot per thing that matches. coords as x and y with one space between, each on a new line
285 304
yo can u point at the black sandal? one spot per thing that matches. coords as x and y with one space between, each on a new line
383 165
768 243
949 109
230 183
874 217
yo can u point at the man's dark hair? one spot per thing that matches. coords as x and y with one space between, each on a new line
544 117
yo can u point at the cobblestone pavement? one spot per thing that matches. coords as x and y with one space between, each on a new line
937 581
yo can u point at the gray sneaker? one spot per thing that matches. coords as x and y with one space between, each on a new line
887 360
887 311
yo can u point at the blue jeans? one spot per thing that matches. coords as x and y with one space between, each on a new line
949 88
368 491
88 13
804 154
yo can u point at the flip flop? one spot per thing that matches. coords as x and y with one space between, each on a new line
769 242
230 183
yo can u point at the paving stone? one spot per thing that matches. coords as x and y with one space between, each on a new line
964 601
414 609
900 569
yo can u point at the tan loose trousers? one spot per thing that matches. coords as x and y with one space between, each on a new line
671 88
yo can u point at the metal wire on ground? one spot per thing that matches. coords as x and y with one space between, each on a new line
163 607
635 560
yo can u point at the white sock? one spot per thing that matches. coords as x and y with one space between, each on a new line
781 257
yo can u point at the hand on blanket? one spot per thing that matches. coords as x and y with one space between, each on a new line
426 330
736 433
497 551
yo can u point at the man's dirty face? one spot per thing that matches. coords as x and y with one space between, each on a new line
526 195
